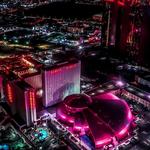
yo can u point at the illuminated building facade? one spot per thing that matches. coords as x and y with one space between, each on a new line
21 99
1 87
25 101
10 95
137 95
60 81
128 28
35 81
28 82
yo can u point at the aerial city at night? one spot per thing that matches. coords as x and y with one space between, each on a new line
74 75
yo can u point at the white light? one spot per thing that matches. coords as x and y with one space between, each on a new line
119 83
83 86
39 93
44 124
130 89
46 114
141 94
80 47
100 91
92 93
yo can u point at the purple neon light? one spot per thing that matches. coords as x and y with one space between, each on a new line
67 112
119 83
103 141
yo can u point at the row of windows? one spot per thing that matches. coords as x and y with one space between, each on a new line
136 98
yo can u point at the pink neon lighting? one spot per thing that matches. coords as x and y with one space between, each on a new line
119 2
71 66
123 131
64 116
57 70
107 96
130 115
119 83
90 121
103 141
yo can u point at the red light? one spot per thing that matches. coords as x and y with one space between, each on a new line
121 3
10 94
110 1
28 63
32 99
123 131
71 66
56 71
103 141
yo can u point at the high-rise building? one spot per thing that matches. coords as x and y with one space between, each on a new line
22 100
10 95
1 87
60 81
34 85
25 101
129 29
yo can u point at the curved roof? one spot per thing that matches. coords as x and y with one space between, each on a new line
104 116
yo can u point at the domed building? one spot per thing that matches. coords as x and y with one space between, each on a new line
104 118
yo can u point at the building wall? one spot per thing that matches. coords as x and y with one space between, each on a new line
10 95
1 87
142 81
35 81
30 104
61 82
134 97
20 102
25 103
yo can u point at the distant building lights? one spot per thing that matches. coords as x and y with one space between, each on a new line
16 41
27 42
5 38
80 47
